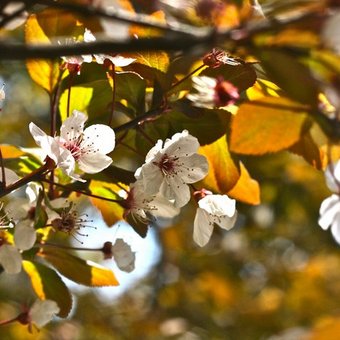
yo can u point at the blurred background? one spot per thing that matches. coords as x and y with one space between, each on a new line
276 275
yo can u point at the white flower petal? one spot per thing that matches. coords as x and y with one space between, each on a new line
123 256
164 208
226 222
10 175
335 228
154 151
94 163
88 36
203 227
193 168
43 311
2 93
24 235
10 259
328 210
73 127
99 137
173 188
181 144
332 175
120 61
218 205
47 143
152 178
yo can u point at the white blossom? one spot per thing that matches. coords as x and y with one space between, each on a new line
10 258
144 207
212 93
330 207
330 34
24 235
213 209
86 148
117 60
42 312
2 93
123 256
169 168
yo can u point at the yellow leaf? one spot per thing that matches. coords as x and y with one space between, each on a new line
268 125
11 151
48 27
111 211
78 270
47 284
223 169
246 190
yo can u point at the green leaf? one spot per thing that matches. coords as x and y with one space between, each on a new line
291 76
241 76
84 272
131 87
40 215
268 125
224 170
47 284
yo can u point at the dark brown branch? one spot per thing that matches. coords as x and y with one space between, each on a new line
170 43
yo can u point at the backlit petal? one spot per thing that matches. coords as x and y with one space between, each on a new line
94 163
203 228
10 259
100 138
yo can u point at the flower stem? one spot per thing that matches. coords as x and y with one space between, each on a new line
186 77
35 175
54 245
6 322
81 191
113 77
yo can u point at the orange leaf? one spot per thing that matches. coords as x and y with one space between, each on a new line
223 169
268 125
246 190
111 211
10 151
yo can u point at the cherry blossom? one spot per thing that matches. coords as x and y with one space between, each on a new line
2 93
330 207
145 207
170 166
117 60
213 92
40 314
86 148
10 257
122 254
213 209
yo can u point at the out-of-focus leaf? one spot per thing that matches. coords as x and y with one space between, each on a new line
242 76
156 60
224 170
40 215
144 32
22 165
207 126
246 190
80 99
84 272
111 211
41 28
268 125
48 285
11 151
131 87
307 148
291 76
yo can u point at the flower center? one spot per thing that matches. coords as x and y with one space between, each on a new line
74 147
225 93
167 164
